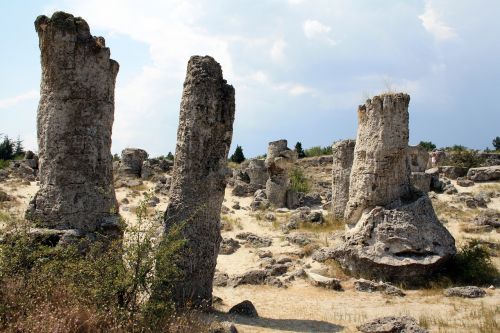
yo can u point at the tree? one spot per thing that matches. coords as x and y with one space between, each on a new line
238 156
170 156
299 150
6 149
19 149
496 143
427 145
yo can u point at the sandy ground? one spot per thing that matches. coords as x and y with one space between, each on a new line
302 307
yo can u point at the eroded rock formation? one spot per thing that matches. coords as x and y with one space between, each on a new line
131 162
278 160
199 177
343 156
395 233
75 118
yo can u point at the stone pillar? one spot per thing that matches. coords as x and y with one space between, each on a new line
380 173
75 119
257 172
279 157
395 234
343 156
199 176
131 161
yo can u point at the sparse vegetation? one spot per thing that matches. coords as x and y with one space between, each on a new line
300 150
229 223
318 151
298 180
428 145
462 157
105 288
496 143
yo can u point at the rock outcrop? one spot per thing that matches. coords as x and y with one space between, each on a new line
395 234
482 174
391 324
343 156
131 162
199 177
278 160
74 120
418 158
380 174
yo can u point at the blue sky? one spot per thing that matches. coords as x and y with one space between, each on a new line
300 68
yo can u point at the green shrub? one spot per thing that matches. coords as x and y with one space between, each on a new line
102 286
298 180
238 155
299 150
318 151
472 265
3 164
463 158
427 145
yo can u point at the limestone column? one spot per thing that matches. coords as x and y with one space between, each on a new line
74 123
203 140
343 155
278 160
380 173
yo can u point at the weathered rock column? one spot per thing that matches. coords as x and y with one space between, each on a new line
396 235
199 176
279 157
380 173
75 119
131 161
343 156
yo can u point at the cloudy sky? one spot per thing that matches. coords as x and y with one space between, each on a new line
300 68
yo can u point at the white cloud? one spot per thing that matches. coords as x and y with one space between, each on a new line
12 101
298 89
432 22
277 51
316 30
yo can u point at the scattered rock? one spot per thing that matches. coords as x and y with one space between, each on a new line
464 182
228 246
466 292
245 308
299 239
220 279
255 240
323 281
392 324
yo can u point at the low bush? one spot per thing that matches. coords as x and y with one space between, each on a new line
318 151
298 180
463 158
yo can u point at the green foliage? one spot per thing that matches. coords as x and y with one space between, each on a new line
19 148
107 282
472 266
428 145
116 157
299 150
7 148
463 158
456 148
238 156
3 164
496 143
318 151
298 180
170 156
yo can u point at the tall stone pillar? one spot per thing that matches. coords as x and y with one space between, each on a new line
278 160
395 233
74 123
380 173
203 140
343 155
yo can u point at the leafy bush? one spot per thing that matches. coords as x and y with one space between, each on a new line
3 164
496 143
97 287
318 151
463 158
298 180
427 145
472 266
7 149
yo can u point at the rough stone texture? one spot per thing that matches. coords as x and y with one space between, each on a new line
395 234
452 172
279 158
323 281
484 173
75 119
257 172
131 162
421 181
418 158
399 244
245 308
199 176
465 292
343 156
404 324
380 173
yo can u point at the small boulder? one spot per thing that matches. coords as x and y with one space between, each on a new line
324 282
466 292
245 308
391 324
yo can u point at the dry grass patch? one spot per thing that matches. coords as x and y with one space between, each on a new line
230 223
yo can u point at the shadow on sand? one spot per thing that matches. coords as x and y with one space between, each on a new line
292 325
